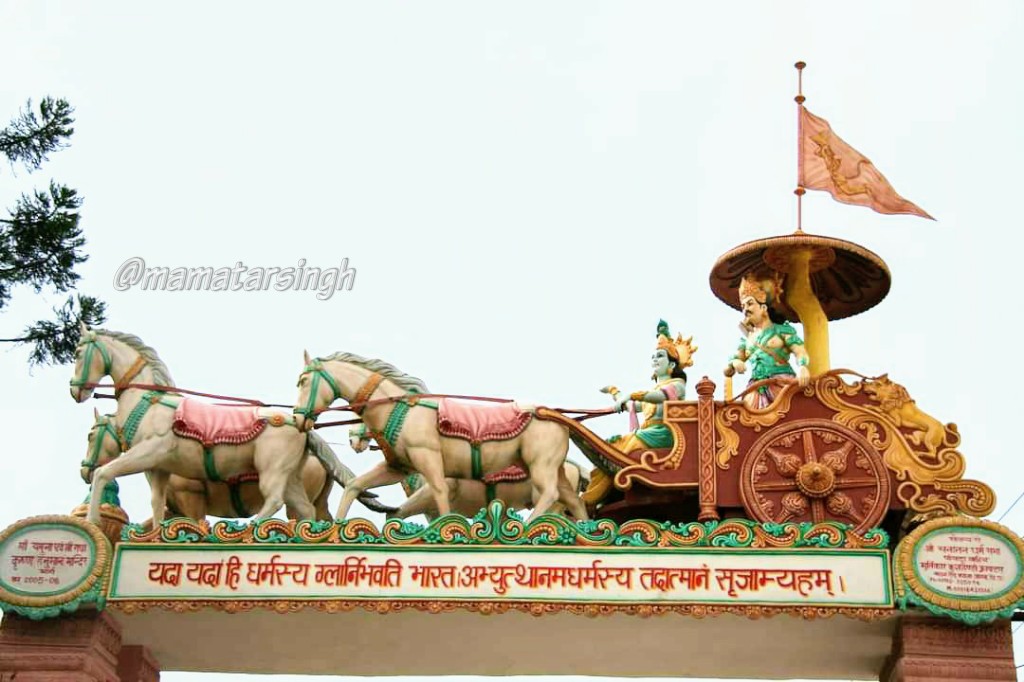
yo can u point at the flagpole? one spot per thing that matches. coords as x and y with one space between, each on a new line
799 191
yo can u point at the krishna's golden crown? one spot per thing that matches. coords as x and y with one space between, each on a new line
680 351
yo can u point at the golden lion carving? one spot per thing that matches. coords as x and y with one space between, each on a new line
896 403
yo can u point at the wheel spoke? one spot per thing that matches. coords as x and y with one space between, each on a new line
809 453
776 486
817 511
856 483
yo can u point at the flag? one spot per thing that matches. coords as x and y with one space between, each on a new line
827 163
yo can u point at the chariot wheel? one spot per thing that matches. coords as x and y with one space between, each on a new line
815 470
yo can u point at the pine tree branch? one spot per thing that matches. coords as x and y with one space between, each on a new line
56 340
29 139
25 266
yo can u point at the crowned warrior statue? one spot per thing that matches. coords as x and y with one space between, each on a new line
767 342
669 360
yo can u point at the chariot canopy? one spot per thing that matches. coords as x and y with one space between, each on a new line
846 278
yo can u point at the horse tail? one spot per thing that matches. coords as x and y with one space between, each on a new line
318 447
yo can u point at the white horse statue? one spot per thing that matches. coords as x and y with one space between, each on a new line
466 496
164 433
238 497
440 439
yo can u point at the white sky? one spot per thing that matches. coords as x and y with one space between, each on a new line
523 188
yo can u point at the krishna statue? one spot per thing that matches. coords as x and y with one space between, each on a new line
669 359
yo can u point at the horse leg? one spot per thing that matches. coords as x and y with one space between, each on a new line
420 502
142 457
296 499
430 464
568 496
272 485
158 494
376 477
185 497
544 476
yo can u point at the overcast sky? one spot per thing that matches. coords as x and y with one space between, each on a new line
523 190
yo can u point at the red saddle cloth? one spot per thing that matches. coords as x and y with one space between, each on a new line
217 424
510 474
480 422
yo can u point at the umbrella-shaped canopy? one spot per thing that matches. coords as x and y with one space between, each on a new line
847 279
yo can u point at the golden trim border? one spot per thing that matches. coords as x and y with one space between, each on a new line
903 561
592 610
99 569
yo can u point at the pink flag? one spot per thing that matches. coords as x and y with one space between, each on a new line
827 163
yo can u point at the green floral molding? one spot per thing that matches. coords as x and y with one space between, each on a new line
497 525
94 595
907 599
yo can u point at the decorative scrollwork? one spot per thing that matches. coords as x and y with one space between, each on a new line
725 417
651 461
498 525
916 448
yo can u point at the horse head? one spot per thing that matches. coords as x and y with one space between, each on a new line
317 390
120 356
93 361
104 444
357 438
349 377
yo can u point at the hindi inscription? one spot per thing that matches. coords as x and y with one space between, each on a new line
967 563
813 577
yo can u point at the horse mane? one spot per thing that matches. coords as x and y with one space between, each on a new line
389 371
161 375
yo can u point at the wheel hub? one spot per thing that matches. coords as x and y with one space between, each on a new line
815 480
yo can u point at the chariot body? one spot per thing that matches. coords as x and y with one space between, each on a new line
842 447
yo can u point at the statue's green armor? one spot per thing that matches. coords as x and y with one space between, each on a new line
768 362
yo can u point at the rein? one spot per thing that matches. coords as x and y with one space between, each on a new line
353 407
175 390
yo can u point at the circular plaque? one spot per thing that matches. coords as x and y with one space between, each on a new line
962 566
47 562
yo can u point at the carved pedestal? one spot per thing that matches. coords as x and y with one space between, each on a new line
80 647
927 648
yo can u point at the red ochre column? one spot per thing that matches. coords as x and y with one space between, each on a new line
926 648
135 664
80 647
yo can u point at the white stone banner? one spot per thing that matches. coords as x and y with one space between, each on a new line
817 577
